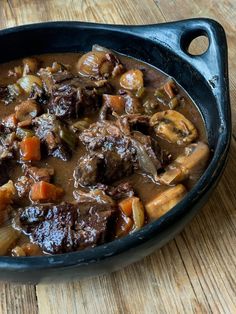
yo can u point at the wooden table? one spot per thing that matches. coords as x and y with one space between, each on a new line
196 272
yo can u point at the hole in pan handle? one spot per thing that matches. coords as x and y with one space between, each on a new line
177 36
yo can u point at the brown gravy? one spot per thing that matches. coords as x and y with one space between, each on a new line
144 186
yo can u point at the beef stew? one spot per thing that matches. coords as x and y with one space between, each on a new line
92 147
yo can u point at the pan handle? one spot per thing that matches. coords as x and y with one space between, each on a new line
177 36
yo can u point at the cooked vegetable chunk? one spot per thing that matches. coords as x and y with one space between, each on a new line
132 80
7 193
173 127
115 102
28 81
97 64
165 201
30 149
190 164
43 191
8 236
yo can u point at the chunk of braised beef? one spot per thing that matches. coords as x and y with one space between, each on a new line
39 174
48 129
31 175
62 76
63 102
106 135
8 145
23 186
89 170
65 227
133 147
122 190
103 167
134 122
39 94
88 100
117 165
53 75
61 152
9 123
69 101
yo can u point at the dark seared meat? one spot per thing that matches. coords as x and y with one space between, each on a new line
23 186
39 174
103 167
39 95
62 76
63 102
134 122
65 228
89 170
123 149
74 98
31 175
8 146
108 136
122 190
88 100
48 128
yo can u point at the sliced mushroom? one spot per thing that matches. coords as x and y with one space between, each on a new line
164 201
97 64
132 80
173 127
190 163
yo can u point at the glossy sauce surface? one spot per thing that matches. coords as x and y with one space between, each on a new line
144 186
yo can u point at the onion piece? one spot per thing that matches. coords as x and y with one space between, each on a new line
7 192
132 80
138 213
26 82
8 237
145 162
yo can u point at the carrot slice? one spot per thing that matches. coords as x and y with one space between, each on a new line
44 191
126 205
115 102
30 148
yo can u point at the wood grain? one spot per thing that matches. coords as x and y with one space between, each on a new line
195 273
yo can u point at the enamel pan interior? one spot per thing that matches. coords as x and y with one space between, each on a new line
204 77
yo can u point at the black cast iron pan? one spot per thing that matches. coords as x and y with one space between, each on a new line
204 77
